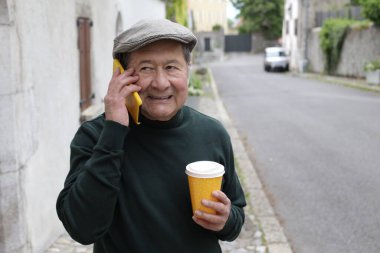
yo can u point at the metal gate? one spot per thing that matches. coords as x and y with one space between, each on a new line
238 43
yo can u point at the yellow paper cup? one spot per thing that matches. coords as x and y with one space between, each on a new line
204 177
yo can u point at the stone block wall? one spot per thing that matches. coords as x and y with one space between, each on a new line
360 46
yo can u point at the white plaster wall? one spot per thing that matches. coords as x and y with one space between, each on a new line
41 102
146 9
46 31
17 131
290 40
7 156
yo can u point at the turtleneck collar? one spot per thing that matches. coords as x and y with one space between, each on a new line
175 121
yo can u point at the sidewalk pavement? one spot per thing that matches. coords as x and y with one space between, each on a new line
262 232
345 81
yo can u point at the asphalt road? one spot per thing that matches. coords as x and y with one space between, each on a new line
316 147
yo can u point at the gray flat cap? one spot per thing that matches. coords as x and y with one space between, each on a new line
150 30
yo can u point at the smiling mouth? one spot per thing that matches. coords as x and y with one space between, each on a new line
160 97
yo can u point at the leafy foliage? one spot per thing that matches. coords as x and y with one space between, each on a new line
372 66
176 10
217 27
195 84
355 2
332 37
371 10
264 16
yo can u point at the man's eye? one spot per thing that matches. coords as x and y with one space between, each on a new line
171 67
146 69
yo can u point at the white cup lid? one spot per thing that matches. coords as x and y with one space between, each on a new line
204 169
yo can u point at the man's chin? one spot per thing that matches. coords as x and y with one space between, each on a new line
159 115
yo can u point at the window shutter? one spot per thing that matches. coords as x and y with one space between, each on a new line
84 46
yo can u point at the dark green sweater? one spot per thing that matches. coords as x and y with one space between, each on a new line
127 190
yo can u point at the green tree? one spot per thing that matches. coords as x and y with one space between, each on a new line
176 10
217 27
264 16
371 10
355 2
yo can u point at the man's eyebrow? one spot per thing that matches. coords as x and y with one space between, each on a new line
173 61
145 61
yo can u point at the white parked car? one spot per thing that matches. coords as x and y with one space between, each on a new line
276 59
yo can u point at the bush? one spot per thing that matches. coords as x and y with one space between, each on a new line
371 10
217 28
332 37
354 2
195 85
372 66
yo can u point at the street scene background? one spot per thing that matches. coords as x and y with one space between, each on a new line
306 141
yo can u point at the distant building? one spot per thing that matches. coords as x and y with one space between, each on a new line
55 65
205 14
290 32
299 19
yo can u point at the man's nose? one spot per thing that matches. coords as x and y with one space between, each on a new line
161 80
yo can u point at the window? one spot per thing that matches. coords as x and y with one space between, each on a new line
287 27
296 26
119 24
207 44
84 42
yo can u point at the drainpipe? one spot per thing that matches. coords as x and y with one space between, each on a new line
304 61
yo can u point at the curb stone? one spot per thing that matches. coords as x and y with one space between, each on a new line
345 81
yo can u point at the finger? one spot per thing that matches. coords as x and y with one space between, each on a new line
217 206
128 72
118 83
128 89
222 197
126 75
127 81
208 225
203 223
117 75
116 72
209 218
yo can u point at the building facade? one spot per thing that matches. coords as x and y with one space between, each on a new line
205 14
299 20
290 31
55 63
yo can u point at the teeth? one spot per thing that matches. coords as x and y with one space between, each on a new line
160 97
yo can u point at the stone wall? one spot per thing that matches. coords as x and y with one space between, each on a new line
315 54
360 46
39 104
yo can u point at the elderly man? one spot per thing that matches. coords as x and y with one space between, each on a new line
127 190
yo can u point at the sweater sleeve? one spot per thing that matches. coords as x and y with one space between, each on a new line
87 202
232 188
